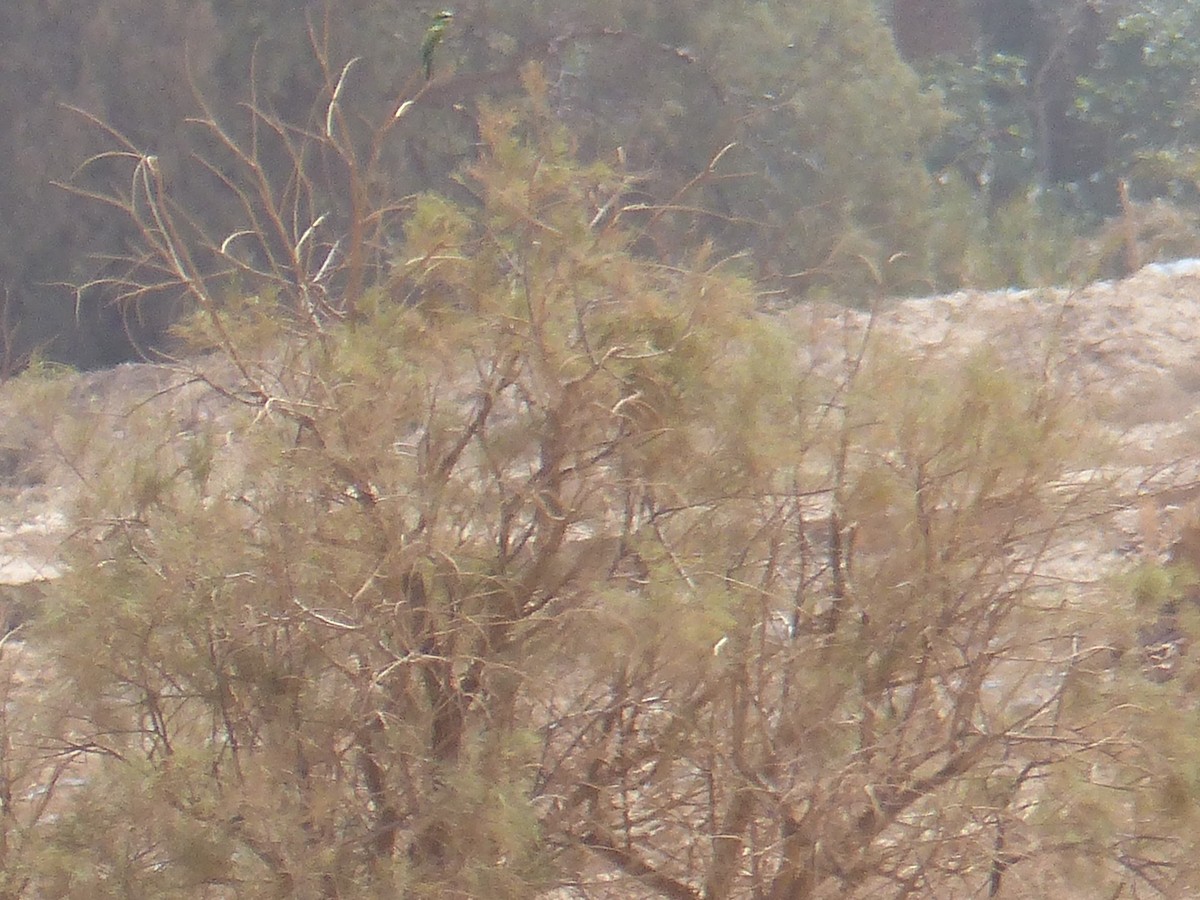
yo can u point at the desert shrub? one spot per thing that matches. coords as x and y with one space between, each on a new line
538 561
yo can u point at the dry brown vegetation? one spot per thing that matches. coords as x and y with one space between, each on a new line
497 560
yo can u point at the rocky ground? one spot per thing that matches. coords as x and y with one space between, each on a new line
1128 348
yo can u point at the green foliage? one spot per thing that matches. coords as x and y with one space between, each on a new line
1100 98
1141 92
989 140
1026 240
1151 586
792 133
785 87
822 78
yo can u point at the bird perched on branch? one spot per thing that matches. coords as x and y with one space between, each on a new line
433 37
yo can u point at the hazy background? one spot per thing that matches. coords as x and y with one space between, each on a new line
880 147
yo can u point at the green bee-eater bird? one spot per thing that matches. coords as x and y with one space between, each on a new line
433 37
